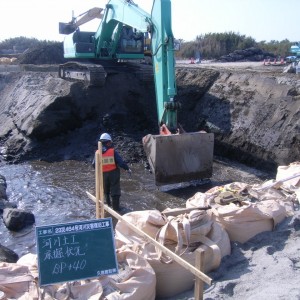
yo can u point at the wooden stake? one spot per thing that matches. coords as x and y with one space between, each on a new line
275 184
97 185
101 180
199 264
179 211
164 249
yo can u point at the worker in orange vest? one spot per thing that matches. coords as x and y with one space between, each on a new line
111 164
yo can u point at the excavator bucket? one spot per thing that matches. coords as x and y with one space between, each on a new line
66 28
180 158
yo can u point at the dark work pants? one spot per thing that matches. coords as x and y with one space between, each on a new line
112 188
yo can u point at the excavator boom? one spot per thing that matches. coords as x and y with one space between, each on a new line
173 158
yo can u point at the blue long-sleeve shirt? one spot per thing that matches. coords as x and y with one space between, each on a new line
119 161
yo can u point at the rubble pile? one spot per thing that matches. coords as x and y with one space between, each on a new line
250 54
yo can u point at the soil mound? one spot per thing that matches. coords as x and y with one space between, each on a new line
250 54
45 54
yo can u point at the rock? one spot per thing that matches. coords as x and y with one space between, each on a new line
7 255
17 219
3 187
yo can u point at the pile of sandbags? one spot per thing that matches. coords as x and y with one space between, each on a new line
183 234
136 280
245 210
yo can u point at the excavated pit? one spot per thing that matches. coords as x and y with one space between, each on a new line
252 109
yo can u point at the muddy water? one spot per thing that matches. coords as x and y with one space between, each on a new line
56 193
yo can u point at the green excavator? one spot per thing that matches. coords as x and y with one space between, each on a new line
174 156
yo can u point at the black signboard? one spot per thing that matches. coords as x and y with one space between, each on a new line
74 251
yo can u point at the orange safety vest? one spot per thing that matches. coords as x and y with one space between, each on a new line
108 160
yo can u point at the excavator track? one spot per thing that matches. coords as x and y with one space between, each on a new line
94 75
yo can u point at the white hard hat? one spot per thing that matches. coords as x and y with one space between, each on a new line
105 137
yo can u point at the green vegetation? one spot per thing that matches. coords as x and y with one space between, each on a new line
23 43
281 48
215 45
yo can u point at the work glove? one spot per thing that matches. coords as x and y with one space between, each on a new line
129 172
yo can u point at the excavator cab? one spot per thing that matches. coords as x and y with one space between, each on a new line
173 157
131 41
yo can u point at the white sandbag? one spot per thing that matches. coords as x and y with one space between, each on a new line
30 260
141 282
289 171
136 280
149 221
172 278
279 195
190 226
292 185
244 221
246 211
221 238
81 289
235 187
16 282
199 200
5 60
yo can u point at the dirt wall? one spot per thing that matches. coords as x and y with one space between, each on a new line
254 114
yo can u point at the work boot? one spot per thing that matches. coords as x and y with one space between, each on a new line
116 203
107 200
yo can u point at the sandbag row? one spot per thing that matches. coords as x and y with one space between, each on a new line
182 234
136 280
245 210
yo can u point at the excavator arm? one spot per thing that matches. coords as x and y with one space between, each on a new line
162 45
173 158
91 14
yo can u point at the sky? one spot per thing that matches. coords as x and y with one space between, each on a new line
263 20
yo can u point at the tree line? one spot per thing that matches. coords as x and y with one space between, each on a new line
215 45
210 45
23 43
